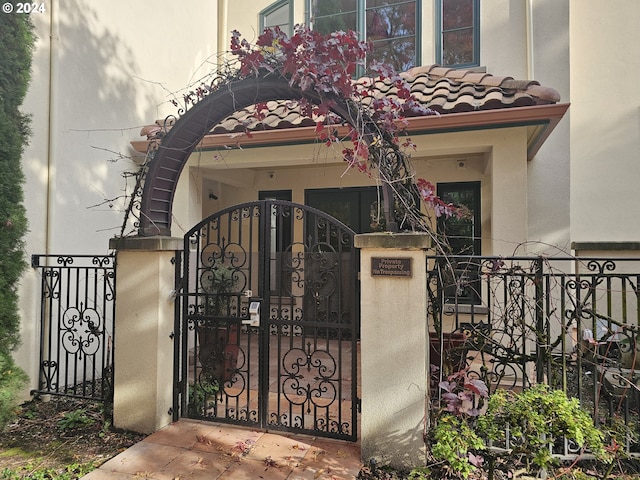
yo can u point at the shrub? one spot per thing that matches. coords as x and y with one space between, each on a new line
534 419
12 379
16 48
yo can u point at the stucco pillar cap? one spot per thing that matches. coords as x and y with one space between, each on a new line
407 241
147 244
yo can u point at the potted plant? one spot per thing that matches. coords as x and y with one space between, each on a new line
217 340
447 350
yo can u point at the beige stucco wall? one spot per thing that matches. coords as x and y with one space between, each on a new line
605 121
101 70
549 171
497 158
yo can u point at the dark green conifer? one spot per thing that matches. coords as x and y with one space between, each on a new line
16 50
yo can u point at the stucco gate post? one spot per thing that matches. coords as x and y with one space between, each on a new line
394 340
143 346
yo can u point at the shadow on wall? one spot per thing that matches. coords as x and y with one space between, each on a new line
97 109
400 448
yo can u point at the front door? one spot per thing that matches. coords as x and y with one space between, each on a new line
268 320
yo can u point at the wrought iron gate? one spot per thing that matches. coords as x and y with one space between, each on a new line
77 315
269 320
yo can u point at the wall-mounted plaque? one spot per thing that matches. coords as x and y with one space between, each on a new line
390 267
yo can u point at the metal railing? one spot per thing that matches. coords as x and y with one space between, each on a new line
76 325
571 323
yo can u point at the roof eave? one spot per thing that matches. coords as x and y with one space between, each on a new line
542 119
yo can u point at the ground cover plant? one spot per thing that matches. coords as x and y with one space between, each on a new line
508 435
61 439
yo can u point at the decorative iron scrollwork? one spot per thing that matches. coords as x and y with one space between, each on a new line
81 330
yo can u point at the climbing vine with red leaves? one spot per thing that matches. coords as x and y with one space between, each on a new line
325 65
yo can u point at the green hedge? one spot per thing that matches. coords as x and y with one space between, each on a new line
16 50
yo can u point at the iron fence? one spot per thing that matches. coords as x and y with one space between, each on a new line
77 314
571 323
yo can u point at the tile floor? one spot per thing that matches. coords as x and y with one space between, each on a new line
190 449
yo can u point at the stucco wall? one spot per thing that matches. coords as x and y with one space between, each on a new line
101 71
497 158
605 121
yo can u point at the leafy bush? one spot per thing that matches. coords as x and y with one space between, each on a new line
534 419
12 379
455 440
522 425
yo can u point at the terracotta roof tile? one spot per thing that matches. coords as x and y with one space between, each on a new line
444 90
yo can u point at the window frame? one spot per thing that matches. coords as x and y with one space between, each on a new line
475 187
361 26
272 8
476 36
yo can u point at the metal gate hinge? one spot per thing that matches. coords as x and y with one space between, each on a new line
172 335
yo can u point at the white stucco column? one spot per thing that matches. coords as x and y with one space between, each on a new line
394 341
509 222
143 347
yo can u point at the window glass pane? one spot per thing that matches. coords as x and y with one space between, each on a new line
457 47
459 35
352 206
457 14
391 27
331 7
391 21
334 23
463 234
278 18
333 15
401 53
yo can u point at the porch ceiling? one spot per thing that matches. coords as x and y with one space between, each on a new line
463 99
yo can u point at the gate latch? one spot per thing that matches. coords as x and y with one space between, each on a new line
254 315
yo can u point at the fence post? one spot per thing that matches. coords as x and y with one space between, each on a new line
394 345
542 334
143 380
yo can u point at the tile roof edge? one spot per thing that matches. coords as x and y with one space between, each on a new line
531 87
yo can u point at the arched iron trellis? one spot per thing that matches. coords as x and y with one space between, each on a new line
178 144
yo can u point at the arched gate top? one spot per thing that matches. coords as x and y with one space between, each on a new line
177 145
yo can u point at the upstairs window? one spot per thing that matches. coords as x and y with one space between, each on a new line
278 14
458 33
390 26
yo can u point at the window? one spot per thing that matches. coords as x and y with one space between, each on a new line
463 236
277 14
353 206
458 39
391 26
